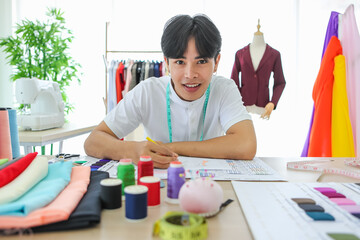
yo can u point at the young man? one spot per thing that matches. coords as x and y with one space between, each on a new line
192 112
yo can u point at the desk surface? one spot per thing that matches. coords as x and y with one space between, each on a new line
55 134
229 224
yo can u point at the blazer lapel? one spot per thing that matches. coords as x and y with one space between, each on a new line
266 55
247 57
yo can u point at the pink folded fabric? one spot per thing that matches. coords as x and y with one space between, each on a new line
59 209
12 171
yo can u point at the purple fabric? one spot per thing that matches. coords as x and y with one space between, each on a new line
332 30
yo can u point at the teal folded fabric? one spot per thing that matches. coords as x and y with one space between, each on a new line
42 193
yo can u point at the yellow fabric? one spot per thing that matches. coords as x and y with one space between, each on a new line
342 142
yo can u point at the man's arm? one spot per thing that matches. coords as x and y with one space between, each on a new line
238 143
103 143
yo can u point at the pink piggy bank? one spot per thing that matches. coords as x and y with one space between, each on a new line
201 196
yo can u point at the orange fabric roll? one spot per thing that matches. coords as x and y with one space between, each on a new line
320 136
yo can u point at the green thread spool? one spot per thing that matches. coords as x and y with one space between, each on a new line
126 172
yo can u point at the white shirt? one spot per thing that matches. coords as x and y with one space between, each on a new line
146 104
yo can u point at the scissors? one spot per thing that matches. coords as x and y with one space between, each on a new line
66 155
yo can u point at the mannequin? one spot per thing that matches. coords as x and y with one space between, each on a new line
257 49
264 60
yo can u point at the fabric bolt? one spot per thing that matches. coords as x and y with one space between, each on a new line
350 41
3 161
254 84
325 189
351 208
342 201
342 236
311 208
320 137
320 216
13 170
60 208
42 193
88 211
334 195
332 30
5 135
224 107
14 133
342 141
303 200
34 173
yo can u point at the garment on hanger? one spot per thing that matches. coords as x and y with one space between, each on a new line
253 84
123 76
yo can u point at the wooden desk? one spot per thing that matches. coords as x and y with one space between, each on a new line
229 224
29 139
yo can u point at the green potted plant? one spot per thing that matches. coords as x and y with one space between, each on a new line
40 50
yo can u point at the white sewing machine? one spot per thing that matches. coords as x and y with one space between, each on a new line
47 106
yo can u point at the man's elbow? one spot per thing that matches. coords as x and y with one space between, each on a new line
88 146
246 151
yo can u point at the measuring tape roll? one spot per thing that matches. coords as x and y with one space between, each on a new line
317 167
181 226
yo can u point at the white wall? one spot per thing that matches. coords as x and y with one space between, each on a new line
295 28
6 86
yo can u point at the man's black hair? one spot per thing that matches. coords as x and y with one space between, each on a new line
180 28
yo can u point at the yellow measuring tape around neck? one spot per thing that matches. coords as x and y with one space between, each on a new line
181 226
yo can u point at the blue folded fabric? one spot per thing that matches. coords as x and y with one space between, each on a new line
42 193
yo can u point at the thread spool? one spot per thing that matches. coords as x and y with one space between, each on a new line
145 167
176 178
153 184
14 133
5 138
136 202
126 172
111 193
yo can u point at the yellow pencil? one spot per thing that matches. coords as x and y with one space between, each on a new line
149 139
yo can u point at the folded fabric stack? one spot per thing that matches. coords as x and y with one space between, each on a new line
36 196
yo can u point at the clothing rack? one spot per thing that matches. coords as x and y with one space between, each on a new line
105 58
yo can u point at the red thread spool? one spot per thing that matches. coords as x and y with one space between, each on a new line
153 184
145 167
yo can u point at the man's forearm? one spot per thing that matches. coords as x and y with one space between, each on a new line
102 145
224 147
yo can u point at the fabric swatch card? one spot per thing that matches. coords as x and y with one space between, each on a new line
302 210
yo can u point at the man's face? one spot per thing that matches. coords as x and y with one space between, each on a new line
191 74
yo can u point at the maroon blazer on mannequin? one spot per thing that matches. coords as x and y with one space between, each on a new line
254 87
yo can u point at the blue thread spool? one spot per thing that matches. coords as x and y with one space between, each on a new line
176 178
136 197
